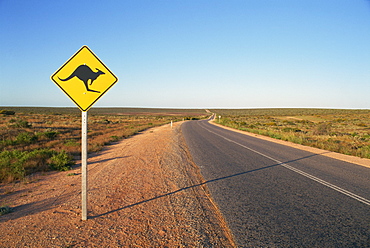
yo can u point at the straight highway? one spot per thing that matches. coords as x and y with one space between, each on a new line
272 195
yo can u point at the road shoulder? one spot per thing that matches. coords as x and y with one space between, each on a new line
347 158
144 191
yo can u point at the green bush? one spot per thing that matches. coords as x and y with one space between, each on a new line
25 138
21 124
71 142
114 138
50 134
15 165
10 168
61 161
271 124
7 112
7 142
36 160
5 210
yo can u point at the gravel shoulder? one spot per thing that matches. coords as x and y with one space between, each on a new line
144 191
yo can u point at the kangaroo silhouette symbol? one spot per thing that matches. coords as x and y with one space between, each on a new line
84 73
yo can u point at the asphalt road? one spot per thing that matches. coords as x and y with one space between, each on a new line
272 195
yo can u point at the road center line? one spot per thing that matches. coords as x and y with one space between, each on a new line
332 186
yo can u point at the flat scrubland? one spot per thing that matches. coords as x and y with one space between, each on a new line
344 131
40 139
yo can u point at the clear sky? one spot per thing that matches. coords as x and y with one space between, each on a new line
192 53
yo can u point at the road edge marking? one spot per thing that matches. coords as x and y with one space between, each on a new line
305 174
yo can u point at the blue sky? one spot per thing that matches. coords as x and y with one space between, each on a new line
192 53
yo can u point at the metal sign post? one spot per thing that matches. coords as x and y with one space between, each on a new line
75 78
84 165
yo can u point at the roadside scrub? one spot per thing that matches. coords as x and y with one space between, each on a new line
341 131
42 139
16 165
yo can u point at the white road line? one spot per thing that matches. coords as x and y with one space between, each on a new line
332 186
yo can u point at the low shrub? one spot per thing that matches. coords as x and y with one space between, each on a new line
115 138
61 161
25 138
10 169
15 164
51 135
5 210
271 124
7 112
289 129
71 142
20 123
322 129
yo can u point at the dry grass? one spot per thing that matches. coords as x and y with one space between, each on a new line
342 131
59 130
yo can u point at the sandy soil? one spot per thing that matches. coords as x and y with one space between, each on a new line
143 192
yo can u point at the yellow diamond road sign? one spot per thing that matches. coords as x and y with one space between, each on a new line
84 78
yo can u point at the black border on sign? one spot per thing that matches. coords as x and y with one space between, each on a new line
84 110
